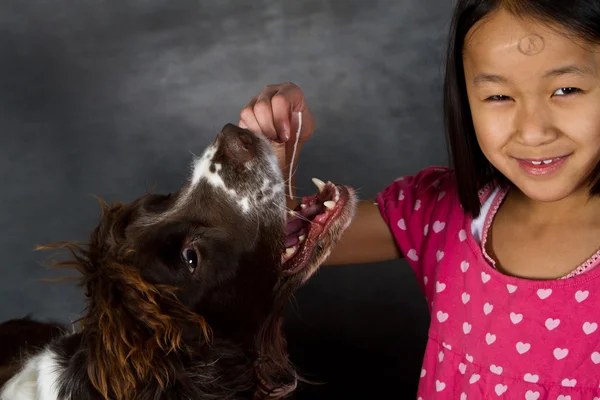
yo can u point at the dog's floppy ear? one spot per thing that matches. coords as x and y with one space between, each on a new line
274 372
131 325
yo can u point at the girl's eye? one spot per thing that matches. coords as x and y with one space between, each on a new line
567 91
499 97
191 258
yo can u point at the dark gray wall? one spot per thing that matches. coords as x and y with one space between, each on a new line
108 98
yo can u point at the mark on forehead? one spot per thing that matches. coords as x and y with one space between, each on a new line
531 45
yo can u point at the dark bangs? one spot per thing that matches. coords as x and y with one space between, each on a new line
580 18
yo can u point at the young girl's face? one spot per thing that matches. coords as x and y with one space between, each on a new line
535 100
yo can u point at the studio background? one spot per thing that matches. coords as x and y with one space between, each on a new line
109 98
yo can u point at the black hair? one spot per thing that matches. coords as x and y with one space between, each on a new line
579 18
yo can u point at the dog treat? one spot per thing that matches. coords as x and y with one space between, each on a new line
294 154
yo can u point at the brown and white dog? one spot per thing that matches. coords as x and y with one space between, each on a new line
185 291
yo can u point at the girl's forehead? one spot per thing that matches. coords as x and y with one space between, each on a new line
503 40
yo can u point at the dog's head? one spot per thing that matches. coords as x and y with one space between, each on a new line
208 261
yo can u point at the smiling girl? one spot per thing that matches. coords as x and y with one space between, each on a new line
505 244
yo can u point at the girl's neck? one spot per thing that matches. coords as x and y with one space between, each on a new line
577 206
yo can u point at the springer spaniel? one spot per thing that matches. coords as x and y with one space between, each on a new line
185 291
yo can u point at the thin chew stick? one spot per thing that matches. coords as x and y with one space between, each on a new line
294 153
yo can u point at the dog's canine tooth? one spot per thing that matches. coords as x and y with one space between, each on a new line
301 238
329 204
337 194
290 250
319 184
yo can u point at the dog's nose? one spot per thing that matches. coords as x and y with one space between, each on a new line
239 144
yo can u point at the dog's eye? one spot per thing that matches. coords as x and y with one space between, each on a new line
191 258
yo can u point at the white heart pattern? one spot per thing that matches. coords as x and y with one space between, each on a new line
446 346
500 389
469 358
596 357
423 373
490 338
425 230
563 397
438 226
544 293
439 287
401 195
462 235
590 327
462 367
516 318
569 382
466 328
463 396
442 316
581 295
465 297
523 348
439 386
464 266
511 288
412 254
559 353
441 356
439 255
402 224
425 280
441 195
417 205
485 277
532 378
531 395
552 323
474 378
487 308
496 369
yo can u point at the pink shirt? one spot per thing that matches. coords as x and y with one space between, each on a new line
492 336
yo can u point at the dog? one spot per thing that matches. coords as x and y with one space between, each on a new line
184 291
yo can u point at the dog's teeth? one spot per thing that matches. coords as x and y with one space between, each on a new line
301 238
290 251
337 194
319 184
303 206
329 204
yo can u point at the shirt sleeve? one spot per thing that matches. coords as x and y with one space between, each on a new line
411 206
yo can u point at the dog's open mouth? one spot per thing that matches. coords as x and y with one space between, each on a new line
309 223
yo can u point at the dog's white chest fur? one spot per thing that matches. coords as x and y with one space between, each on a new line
38 380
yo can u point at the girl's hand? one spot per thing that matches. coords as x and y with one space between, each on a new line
274 114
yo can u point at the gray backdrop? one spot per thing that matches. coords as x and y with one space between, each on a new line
108 98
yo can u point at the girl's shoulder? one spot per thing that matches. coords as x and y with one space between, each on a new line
431 184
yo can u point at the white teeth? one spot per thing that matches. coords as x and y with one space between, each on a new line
329 204
303 206
337 194
548 161
289 251
536 162
301 238
319 184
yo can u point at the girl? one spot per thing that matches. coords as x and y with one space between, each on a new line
504 244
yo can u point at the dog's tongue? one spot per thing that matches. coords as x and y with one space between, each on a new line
308 219
293 238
